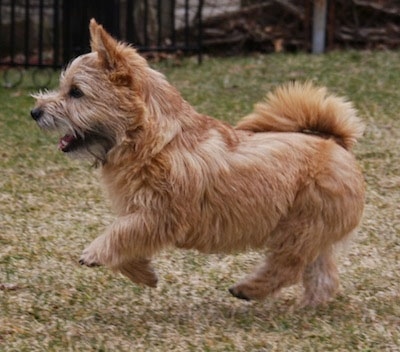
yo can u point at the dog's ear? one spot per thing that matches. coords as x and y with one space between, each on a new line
104 44
92 28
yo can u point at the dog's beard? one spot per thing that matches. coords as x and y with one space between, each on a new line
90 144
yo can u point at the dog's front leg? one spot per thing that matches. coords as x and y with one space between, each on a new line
139 271
126 246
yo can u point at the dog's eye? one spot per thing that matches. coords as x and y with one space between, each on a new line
75 92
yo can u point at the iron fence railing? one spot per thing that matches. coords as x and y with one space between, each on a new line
46 34
49 33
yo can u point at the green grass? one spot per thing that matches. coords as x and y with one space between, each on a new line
51 207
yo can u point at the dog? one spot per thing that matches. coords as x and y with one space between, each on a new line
283 180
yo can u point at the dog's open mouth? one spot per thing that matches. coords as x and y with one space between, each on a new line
69 143
95 143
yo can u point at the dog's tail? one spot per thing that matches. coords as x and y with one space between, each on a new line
302 107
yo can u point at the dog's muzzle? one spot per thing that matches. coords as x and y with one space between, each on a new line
36 113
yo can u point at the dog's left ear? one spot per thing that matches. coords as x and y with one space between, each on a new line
104 44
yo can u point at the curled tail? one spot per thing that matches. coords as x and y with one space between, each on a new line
301 107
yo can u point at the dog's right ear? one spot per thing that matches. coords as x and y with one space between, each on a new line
104 44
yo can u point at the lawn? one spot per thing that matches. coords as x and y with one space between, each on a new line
51 207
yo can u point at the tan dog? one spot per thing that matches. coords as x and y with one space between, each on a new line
283 180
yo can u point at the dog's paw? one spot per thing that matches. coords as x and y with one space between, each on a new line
235 292
89 259
250 289
139 271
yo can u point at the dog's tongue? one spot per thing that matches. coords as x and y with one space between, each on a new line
65 142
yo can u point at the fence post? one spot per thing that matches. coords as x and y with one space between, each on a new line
319 26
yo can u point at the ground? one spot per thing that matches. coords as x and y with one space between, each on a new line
52 207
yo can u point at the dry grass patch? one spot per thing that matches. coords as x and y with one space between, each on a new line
51 207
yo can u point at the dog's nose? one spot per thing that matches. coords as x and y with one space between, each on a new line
36 113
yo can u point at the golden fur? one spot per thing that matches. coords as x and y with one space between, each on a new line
283 180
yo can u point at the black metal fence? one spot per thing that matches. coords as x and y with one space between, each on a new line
49 33
46 34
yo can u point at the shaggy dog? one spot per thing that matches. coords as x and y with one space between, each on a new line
283 180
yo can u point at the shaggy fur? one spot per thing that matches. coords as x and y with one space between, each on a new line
283 180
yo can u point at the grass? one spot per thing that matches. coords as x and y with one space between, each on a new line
51 207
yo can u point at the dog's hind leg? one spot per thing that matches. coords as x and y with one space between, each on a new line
277 272
293 245
320 279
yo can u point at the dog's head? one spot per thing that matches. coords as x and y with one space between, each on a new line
100 100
